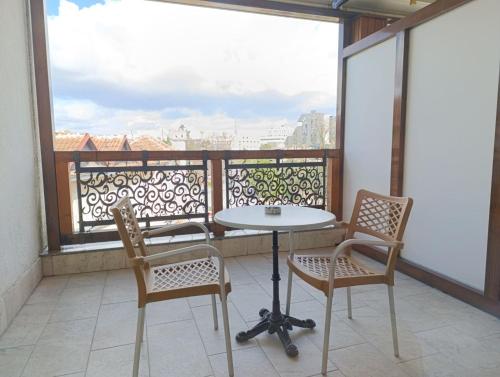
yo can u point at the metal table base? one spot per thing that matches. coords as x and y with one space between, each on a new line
274 321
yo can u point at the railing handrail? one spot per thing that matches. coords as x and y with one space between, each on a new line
87 156
220 163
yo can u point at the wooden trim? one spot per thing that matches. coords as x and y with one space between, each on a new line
64 198
419 17
399 113
363 26
44 108
217 190
194 155
287 9
492 281
345 29
334 186
438 281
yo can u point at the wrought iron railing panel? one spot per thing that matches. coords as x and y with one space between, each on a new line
158 192
276 182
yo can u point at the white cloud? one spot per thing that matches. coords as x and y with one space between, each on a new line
87 116
152 47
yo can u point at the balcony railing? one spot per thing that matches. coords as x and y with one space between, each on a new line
186 185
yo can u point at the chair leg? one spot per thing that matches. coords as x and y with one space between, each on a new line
289 292
227 336
326 339
349 304
393 320
138 340
214 313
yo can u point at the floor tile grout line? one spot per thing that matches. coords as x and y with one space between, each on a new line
44 326
201 338
95 325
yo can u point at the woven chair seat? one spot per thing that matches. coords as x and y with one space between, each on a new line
187 274
319 265
315 269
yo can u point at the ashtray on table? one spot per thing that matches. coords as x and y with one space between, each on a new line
273 210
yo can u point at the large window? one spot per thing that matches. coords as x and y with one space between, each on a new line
190 77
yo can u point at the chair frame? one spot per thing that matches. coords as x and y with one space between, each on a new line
392 241
135 247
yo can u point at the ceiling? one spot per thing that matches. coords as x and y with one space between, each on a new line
328 10
390 8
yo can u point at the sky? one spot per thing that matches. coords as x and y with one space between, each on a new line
135 67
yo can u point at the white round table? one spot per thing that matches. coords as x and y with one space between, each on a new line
292 218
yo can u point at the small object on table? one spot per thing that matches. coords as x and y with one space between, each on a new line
294 218
273 210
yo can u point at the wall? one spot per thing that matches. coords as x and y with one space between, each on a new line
451 109
450 126
20 228
368 121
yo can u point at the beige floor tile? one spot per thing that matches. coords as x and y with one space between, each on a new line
13 360
91 294
447 340
298 293
87 279
72 311
116 325
168 311
49 290
249 299
70 341
28 325
341 334
435 366
214 341
237 273
307 363
256 264
120 286
249 362
364 360
183 356
333 373
117 362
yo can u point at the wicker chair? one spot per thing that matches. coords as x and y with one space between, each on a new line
384 219
157 283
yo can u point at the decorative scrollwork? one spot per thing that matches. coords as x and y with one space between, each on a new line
155 194
297 184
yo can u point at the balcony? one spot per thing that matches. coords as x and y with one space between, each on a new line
417 115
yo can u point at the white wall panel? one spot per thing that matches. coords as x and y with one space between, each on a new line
451 109
368 121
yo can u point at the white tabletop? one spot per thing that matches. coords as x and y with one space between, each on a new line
291 218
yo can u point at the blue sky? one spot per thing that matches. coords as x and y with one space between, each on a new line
53 5
134 66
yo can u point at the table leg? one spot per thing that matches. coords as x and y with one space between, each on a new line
275 321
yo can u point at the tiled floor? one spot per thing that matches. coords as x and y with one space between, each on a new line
84 325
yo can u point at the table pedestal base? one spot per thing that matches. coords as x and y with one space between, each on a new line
274 321
279 324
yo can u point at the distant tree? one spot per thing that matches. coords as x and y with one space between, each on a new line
267 146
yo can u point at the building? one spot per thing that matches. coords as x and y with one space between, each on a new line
179 138
312 131
275 137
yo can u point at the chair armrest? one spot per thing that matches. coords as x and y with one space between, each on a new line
351 242
355 241
169 228
211 250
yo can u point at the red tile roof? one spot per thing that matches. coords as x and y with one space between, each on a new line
72 142
148 143
111 143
